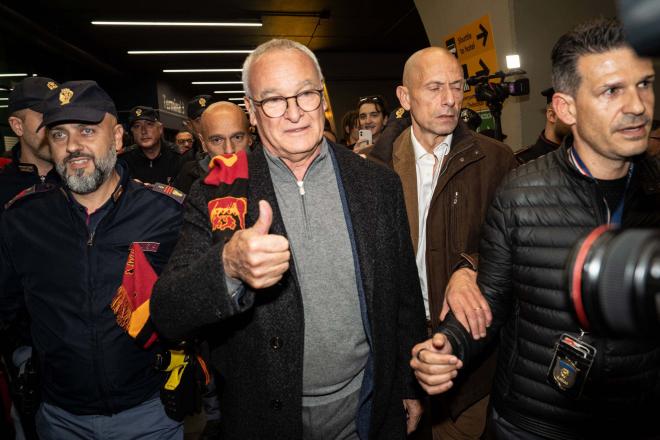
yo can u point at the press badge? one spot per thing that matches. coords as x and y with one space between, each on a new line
570 365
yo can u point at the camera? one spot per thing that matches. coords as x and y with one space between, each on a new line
489 91
495 93
614 281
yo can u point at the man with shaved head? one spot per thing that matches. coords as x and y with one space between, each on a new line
224 129
449 175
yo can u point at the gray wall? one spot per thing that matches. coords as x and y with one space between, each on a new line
538 25
443 17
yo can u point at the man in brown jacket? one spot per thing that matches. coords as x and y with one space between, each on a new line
449 176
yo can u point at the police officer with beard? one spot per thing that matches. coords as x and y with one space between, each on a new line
95 380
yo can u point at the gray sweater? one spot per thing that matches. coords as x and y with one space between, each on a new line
336 348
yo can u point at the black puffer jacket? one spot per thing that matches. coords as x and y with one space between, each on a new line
539 212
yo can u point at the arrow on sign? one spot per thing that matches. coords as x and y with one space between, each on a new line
485 70
483 34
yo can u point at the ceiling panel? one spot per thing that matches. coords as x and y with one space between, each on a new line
56 37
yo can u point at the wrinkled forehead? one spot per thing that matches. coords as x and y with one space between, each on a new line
614 67
226 123
438 67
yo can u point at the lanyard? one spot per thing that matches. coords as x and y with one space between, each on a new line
612 217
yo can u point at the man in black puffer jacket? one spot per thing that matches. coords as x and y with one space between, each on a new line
605 93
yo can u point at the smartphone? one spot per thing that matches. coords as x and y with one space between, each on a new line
365 136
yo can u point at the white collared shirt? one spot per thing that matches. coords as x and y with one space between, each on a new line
427 177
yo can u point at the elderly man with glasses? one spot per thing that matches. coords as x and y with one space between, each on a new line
305 284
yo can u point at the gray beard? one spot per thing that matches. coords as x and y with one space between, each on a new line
80 183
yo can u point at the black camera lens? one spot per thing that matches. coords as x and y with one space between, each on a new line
614 281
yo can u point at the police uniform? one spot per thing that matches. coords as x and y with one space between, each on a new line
164 167
16 175
95 379
543 145
196 107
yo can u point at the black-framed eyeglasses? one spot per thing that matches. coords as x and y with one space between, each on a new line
276 106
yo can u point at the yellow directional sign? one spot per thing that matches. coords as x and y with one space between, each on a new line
474 46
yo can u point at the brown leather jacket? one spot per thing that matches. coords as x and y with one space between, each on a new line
474 168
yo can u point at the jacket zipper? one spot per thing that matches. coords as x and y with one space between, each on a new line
96 362
301 191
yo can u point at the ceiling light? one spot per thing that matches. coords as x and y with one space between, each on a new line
181 52
231 99
229 91
13 74
179 23
4 99
216 82
4 106
200 70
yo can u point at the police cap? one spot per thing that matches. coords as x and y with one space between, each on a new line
142 112
548 94
198 104
30 93
80 101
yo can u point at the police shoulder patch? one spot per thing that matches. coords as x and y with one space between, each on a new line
34 189
169 191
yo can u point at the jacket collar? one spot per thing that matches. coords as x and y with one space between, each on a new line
403 162
463 151
124 181
647 167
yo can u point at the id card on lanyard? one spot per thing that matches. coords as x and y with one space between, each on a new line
613 218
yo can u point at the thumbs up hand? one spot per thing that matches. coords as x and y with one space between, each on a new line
254 256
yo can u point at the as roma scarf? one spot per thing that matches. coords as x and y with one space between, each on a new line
131 303
229 173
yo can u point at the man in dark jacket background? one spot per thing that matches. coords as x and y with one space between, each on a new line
69 247
550 138
604 92
313 305
151 159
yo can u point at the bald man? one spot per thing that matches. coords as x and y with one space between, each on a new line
449 175
224 128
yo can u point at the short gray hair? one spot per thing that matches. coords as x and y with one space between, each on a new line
275 44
